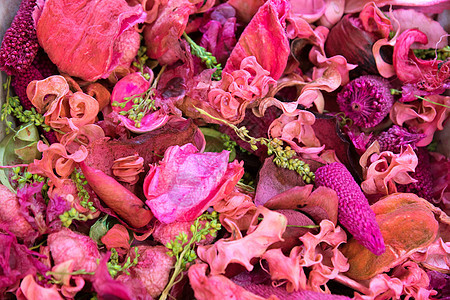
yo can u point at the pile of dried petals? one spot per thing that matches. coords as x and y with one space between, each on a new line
188 149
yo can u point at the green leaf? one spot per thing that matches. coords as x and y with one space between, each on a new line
215 143
7 157
27 133
28 153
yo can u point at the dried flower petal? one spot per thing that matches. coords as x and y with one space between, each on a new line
267 28
185 182
66 244
235 249
383 170
128 168
78 29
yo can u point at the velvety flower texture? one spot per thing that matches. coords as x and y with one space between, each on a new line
366 100
397 137
19 45
66 244
77 35
186 183
354 212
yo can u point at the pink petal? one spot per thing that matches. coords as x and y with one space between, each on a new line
185 182
33 291
266 28
118 39
235 249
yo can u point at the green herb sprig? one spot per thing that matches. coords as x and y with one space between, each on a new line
13 107
207 58
23 178
80 182
141 60
114 266
284 156
440 54
68 216
183 248
142 103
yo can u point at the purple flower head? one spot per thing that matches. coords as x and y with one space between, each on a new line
397 137
354 212
366 100
20 44
424 185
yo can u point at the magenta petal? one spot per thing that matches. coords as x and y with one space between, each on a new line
408 67
186 183
265 38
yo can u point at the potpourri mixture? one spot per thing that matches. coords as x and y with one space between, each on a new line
240 149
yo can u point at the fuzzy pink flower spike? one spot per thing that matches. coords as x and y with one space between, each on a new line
354 212
20 44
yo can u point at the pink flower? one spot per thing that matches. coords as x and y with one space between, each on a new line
425 116
103 27
126 89
265 38
66 244
186 183
383 170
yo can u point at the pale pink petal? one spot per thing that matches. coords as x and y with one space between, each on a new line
33 291
235 249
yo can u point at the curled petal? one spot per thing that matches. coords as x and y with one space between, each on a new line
425 116
128 168
45 94
386 169
56 158
33 291
235 249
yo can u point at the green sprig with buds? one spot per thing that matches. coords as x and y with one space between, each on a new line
207 58
183 248
68 216
398 92
143 103
141 60
440 54
114 266
13 107
80 182
23 178
284 156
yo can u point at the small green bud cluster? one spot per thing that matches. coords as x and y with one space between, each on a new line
80 182
207 58
23 178
284 158
68 216
141 60
113 264
142 104
183 248
13 107
427 54
227 142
